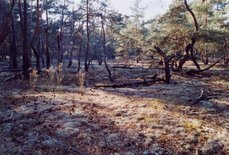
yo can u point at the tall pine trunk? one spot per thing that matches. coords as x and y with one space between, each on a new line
26 64
104 50
48 59
86 64
13 48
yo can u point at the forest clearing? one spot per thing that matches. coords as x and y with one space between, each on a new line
84 79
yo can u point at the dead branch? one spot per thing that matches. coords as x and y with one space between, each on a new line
200 97
62 143
123 67
15 76
192 14
193 71
154 76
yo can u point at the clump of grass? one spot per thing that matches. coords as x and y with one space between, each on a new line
150 119
33 76
156 104
55 75
81 79
51 73
59 73
192 125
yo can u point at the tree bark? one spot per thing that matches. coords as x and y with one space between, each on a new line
86 63
26 64
193 15
79 54
189 49
20 15
60 38
35 37
71 52
48 63
37 55
167 60
73 39
13 48
226 59
5 18
104 50
59 47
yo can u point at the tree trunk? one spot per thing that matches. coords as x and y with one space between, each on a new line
73 39
20 15
42 38
70 59
187 56
167 59
104 51
36 53
86 63
48 63
189 49
35 37
226 58
79 55
48 59
192 54
59 47
26 64
5 18
13 48
167 70
71 52
42 49
60 36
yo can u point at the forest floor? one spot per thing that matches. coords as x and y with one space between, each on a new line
157 119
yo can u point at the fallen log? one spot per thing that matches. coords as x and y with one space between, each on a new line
125 84
123 67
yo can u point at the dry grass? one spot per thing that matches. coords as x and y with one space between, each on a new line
81 80
192 125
